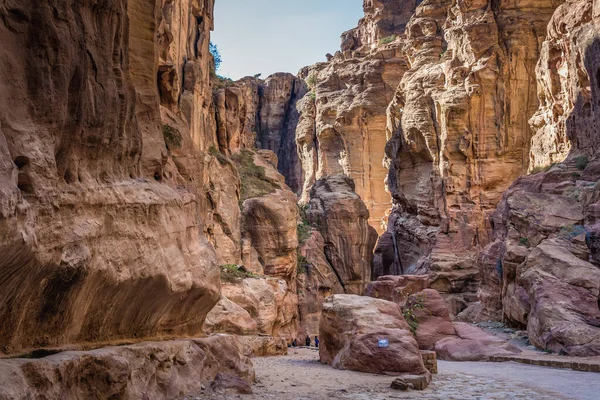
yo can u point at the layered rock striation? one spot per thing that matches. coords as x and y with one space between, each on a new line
262 114
542 271
154 370
458 135
341 217
101 236
343 118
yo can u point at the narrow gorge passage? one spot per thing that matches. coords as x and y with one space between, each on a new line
424 201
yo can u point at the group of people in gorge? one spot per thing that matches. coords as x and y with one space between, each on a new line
307 342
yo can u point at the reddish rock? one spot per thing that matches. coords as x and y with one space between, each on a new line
350 329
432 318
153 370
230 384
342 218
316 281
472 344
396 288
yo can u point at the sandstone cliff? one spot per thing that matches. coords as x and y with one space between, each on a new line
542 270
458 135
262 114
118 211
101 239
343 118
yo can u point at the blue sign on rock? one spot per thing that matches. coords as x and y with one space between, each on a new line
383 343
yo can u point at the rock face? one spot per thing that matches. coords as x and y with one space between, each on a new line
343 118
101 239
341 217
566 119
269 302
255 113
542 269
350 329
116 206
317 280
459 134
229 317
383 19
182 35
159 370
432 320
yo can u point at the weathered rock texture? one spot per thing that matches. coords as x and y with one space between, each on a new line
383 19
542 270
396 288
116 207
102 230
459 134
158 370
343 119
350 328
255 113
472 344
182 36
429 319
341 217
269 302
317 280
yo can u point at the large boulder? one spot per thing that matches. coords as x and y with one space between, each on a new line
428 312
342 218
268 301
229 317
472 344
350 329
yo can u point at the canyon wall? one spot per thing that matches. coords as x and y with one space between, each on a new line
343 118
101 240
542 270
262 114
122 209
458 135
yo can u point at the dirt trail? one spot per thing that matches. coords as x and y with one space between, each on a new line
299 376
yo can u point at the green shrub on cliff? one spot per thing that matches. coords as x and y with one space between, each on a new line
255 183
387 40
172 136
235 273
409 310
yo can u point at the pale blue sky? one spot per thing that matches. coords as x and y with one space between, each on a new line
267 36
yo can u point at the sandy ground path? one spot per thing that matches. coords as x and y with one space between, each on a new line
299 376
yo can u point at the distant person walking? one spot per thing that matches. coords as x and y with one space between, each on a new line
307 341
317 342
294 344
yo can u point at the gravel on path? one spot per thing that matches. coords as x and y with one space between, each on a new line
299 376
